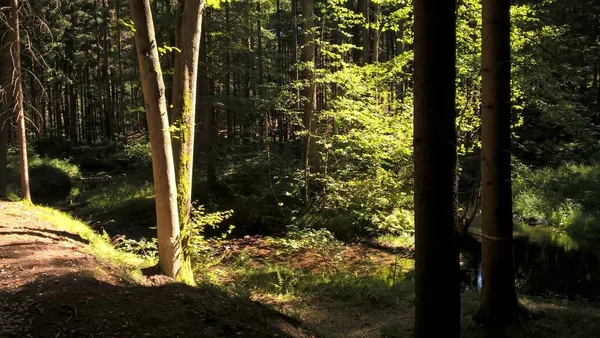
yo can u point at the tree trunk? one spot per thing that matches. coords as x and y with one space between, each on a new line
499 304
206 117
17 92
227 83
121 94
309 93
6 70
188 31
437 266
185 78
169 241
376 32
365 41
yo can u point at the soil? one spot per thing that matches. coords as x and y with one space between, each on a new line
355 257
50 287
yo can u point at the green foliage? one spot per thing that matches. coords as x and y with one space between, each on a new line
322 241
52 181
566 197
120 202
383 287
144 247
194 242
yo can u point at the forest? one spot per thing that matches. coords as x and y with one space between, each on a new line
300 168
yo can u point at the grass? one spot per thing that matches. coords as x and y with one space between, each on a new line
129 264
122 207
405 241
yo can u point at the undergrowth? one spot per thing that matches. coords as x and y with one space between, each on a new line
51 179
566 197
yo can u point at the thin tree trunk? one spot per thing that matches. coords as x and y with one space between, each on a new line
6 105
437 289
109 109
165 193
376 29
227 83
598 80
206 116
17 91
262 126
121 94
365 41
499 305
309 93
295 49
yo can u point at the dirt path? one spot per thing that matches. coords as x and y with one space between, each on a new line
50 287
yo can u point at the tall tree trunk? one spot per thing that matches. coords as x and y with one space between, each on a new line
499 305
598 81
262 125
295 42
121 93
185 78
73 112
206 116
165 193
309 93
227 82
6 102
376 32
365 41
437 265
17 92
109 109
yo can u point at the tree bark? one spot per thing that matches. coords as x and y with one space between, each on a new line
227 82
437 266
6 106
185 78
365 41
121 94
17 92
206 116
187 39
169 241
309 93
499 305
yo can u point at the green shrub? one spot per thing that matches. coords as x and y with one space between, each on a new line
121 201
567 197
51 181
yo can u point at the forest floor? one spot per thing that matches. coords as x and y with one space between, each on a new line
360 291
51 285
60 279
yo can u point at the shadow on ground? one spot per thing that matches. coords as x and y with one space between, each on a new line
77 305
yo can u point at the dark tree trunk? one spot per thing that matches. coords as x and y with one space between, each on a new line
365 41
206 116
499 305
227 82
437 285
6 102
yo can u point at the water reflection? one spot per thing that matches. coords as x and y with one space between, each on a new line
546 263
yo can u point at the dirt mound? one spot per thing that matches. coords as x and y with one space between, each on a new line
51 288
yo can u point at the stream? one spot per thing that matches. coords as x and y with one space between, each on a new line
546 264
